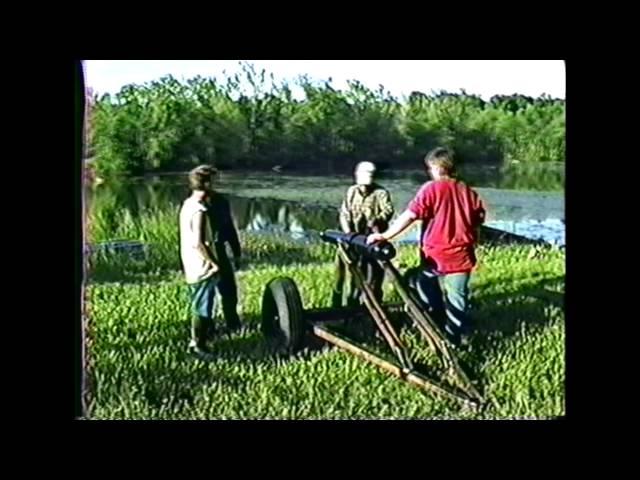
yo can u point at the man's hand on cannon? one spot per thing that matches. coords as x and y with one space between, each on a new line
375 238
400 224
358 243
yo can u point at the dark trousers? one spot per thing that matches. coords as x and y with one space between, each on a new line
346 291
228 289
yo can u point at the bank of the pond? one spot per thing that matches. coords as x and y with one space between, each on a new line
268 216
551 231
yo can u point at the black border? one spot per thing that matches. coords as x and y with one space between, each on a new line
78 243
574 343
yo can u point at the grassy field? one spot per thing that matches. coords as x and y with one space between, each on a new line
139 333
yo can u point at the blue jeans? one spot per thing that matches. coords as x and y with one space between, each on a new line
202 296
447 298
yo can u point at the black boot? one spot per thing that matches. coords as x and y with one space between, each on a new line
232 320
209 328
233 327
336 299
199 331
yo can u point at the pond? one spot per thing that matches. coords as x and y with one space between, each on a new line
298 205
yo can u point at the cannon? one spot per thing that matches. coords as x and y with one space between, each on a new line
285 319
358 242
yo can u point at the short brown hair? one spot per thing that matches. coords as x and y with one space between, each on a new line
440 157
200 176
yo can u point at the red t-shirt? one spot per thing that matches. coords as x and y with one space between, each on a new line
454 211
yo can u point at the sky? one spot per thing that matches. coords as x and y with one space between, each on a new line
400 77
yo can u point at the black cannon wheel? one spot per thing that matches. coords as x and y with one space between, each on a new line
282 313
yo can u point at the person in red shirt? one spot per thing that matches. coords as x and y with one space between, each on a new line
451 213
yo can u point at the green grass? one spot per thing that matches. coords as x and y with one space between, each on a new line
139 332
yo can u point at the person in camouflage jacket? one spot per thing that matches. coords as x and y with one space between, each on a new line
366 209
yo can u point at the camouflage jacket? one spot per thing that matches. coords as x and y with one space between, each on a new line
365 212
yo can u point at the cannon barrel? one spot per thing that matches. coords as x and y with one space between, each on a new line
377 251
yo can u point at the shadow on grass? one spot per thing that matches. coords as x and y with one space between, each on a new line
506 312
502 313
502 316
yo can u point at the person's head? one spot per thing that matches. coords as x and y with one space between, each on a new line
201 178
364 173
439 163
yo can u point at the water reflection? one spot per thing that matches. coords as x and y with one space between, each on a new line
249 214
273 216
281 217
